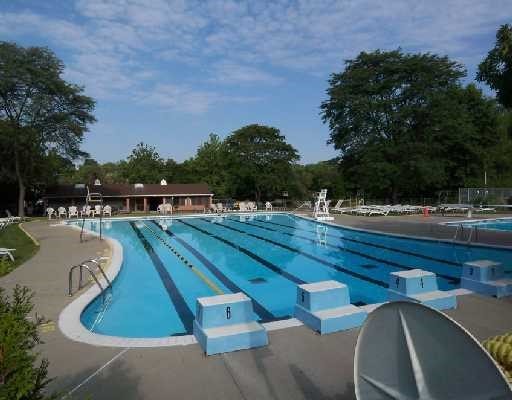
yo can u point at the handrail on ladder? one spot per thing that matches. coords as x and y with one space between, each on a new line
91 273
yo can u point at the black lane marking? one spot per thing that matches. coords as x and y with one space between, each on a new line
186 316
310 256
358 253
379 246
249 253
263 313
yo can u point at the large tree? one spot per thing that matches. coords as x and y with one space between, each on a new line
259 161
144 165
404 124
39 111
496 68
209 165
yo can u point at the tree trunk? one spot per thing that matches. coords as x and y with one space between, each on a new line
21 185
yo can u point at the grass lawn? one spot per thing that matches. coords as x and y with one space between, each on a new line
12 237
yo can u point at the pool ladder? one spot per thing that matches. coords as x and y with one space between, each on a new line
473 234
87 266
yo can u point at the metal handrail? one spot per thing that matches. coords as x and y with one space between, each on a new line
96 261
91 273
459 227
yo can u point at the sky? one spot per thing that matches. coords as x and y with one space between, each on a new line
169 72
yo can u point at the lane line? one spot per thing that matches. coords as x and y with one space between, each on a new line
310 256
410 253
264 314
187 263
249 253
358 253
185 314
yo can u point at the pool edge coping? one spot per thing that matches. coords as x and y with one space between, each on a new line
71 326
69 318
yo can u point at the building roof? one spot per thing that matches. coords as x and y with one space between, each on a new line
129 190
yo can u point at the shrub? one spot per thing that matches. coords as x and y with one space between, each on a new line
20 376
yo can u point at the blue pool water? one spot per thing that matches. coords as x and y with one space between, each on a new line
500 224
169 263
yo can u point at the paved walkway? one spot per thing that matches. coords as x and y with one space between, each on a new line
297 364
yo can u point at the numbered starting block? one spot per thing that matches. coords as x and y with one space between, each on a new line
419 286
325 307
486 277
227 323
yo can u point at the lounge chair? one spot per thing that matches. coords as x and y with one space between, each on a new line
97 210
7 253
51 212
62 211
72 212
12 217
251 206
107 210
268 206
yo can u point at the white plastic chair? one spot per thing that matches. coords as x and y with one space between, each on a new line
7 252
97 210
268 206
168 208
51 212
86 210
72 212
107 210
62 211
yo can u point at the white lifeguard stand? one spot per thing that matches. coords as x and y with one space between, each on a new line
321 211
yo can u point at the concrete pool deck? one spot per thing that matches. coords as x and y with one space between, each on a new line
297 364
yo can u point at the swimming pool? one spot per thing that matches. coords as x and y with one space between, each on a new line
500 224
168 263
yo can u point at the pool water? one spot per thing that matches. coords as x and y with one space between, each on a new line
501 224
169 263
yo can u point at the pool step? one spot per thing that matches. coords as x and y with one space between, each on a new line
325 307
227 323
419 286
486 277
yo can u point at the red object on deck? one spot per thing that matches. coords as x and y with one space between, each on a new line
425 212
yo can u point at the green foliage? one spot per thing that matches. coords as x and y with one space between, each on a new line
20 377
144 165
210 166
12 237
259 161
405 126
496 68
39 111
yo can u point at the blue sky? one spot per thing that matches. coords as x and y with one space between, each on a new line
170 72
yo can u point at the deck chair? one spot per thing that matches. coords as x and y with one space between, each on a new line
51 212
72 212
7 253
62 211
107 210
268 206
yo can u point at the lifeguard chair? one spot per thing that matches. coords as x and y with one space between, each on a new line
321 210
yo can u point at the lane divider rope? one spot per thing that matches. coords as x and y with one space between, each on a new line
185 261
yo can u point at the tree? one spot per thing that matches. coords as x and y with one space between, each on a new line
39 110
496 68
144 165
404 125
20 378
259 161
209 165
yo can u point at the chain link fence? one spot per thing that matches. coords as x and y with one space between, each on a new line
485 196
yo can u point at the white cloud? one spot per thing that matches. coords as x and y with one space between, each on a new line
123 47
233 73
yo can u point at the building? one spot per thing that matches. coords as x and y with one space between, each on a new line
134 197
